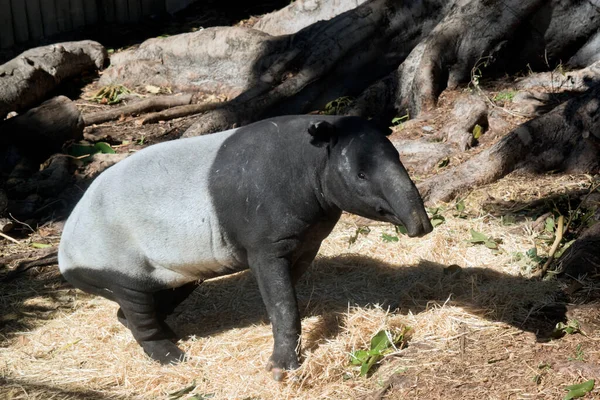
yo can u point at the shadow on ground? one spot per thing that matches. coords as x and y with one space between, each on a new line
334 284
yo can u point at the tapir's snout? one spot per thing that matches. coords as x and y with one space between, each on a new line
420 225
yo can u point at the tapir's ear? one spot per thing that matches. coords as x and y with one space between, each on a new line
322 132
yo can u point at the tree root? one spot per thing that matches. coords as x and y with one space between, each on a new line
155 103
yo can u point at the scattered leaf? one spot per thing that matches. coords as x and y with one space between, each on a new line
477 131
180 393
401 229
576 391
104 148
389 238
381 344
399 120
337 106
40 245
480 238
361 230
152 89
443 162
477 237
202 396
437 220
549 225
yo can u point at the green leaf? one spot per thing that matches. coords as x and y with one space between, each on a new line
364 369
478 237
359 357
361 230
437 220
549 225
180 393
460 206
40 245
477 131
490 244
103 147
78 150
571 327
563 248
389 238
380 341
398 120
579 390
401 229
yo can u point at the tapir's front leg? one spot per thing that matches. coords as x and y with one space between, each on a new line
275 284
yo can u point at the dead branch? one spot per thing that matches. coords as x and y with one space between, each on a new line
147 105
180 111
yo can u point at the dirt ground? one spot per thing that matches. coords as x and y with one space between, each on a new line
479 331
480 326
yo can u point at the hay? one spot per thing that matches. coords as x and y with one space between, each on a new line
470 337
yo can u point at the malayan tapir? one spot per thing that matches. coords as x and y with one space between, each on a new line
262 196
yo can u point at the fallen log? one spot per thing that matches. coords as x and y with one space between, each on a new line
147 105
42 131
27 79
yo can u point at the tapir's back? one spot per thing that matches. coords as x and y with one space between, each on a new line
152 215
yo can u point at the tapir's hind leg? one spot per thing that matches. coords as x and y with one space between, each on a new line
139 312
166 301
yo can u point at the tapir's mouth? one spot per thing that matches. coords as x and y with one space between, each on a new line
418 229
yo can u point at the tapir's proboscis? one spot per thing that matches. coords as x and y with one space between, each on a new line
263 196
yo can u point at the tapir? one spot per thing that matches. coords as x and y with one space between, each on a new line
263 196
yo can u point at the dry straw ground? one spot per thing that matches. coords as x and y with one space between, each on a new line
478 334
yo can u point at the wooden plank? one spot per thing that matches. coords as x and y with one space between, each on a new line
121 11
34 19
7 37
77 16
90 11
49 17
108 10
63 16
135 10
20 23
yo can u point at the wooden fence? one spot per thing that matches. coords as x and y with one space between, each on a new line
30 20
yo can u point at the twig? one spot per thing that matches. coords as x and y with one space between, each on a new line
5 236
559 235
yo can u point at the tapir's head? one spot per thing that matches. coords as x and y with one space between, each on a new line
364 174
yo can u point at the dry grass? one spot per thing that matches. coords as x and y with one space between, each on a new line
473 334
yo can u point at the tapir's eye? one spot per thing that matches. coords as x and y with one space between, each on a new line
362 175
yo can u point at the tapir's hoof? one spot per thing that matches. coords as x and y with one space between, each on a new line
164 351
277 372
